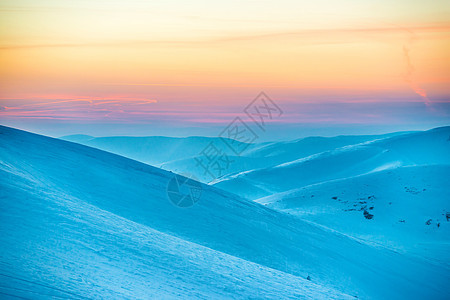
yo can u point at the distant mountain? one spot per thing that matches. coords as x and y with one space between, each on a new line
279 152
78 138
182 155
78 222
412 149
153 150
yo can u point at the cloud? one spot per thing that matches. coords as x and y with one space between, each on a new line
410 70
313 36
80 109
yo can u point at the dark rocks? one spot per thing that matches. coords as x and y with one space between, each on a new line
367 215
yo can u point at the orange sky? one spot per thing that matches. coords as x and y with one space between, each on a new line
215 52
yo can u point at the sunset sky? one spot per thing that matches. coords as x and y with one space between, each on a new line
166 67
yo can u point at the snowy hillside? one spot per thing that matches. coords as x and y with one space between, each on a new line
405 208
153 150
78 222
181 155
422 148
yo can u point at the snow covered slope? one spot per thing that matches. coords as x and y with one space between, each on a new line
153 150
56 246
421 148
181 155
406 208
82 223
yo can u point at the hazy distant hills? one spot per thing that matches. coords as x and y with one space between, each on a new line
154 150
179 154
411 149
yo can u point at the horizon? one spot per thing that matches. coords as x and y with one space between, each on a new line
166 68
273 131
259 140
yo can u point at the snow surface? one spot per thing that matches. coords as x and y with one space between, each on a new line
77 222
412 149
180 154
403 208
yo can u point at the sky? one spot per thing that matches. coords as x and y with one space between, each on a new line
190 67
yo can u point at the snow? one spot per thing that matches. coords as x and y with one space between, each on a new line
64 247
179 154
401 201
78 222
411 149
